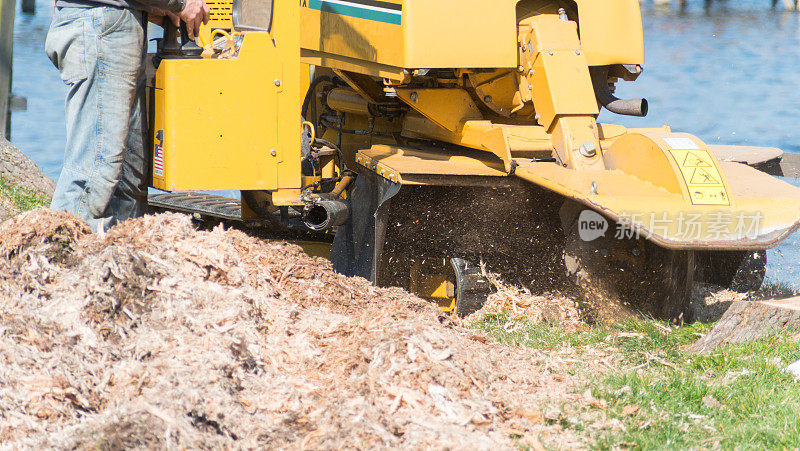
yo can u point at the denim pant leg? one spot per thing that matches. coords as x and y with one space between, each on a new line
99 52
130 197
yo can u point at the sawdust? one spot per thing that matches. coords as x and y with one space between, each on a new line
517 303
156 335
710 302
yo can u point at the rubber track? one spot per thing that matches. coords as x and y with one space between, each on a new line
200 203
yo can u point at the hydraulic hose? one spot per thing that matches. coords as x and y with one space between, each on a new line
312 90
626 107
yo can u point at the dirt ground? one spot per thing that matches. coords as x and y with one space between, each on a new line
16 166
20 174
158 335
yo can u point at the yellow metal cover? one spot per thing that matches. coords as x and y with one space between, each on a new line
670 189
217 122
410 33
611 31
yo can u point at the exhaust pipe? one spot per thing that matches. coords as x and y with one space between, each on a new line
627 107
325 214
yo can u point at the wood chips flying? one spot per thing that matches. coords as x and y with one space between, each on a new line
517 303
157 335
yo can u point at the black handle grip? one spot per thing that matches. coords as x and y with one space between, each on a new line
172 48
184 33
189 48
170 45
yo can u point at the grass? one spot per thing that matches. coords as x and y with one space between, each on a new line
776 290
737 397
22 198
632 338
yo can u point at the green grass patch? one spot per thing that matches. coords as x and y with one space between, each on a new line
22 198
736 398
634 338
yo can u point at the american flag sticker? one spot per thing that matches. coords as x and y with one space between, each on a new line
158 161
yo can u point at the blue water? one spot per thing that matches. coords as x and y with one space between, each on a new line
729 74
40 131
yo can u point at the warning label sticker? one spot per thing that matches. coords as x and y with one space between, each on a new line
681 143
702 177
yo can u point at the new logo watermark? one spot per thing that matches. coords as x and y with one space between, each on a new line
591 225
710 225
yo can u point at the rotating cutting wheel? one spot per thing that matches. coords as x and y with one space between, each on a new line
456 284
437 237
472 287
617 278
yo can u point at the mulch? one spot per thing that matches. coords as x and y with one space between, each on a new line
157 335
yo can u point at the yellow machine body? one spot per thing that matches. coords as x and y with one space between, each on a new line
231 123
219 19
421 34
452 93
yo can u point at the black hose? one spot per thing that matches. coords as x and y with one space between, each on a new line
312 89
626 107
319 142
332 126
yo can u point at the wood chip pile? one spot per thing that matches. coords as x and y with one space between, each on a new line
159 335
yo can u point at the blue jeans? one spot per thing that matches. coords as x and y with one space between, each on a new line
100 53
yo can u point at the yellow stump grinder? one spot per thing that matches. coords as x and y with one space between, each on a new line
442 139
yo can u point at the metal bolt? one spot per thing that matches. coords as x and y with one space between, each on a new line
277 82
524 48
273 152
577 52
636 252
593 189
550 52
536 117
521 69
530 87
414 97
530 73
588 149
487 99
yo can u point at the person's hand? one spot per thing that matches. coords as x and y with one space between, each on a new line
195 13
157 17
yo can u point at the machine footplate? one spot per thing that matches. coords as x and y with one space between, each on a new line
200 203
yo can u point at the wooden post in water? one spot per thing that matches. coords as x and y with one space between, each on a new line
29 6
7 10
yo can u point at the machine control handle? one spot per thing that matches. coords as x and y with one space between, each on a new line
170 46
189 48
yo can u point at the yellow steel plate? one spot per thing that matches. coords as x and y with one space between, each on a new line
702 177
765 209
